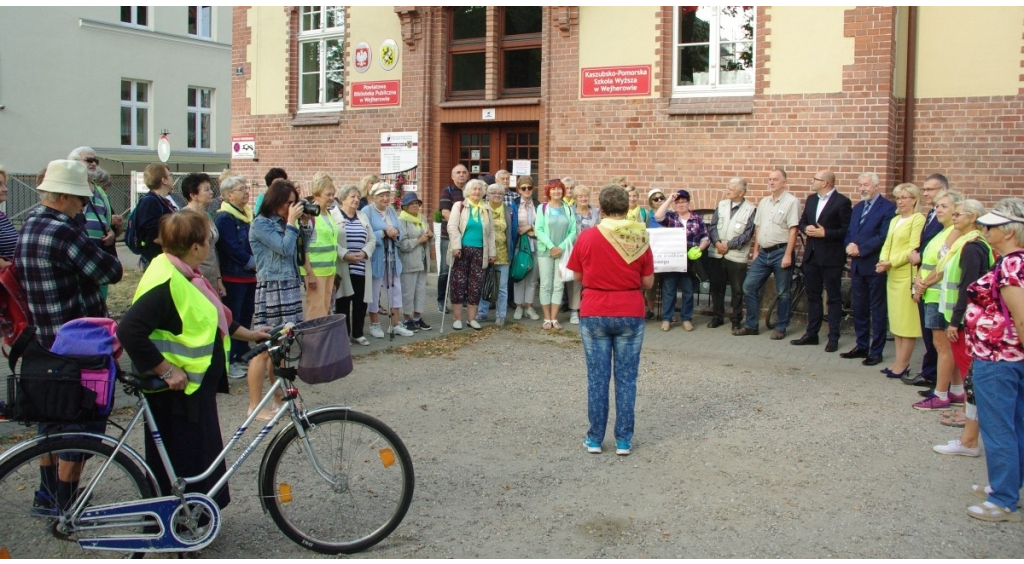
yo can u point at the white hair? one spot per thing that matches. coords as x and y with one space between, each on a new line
75 154
871 175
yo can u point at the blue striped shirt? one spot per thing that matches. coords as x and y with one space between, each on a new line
355 239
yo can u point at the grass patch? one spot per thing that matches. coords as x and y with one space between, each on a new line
119 296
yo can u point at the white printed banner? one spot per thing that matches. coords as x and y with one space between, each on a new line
669 248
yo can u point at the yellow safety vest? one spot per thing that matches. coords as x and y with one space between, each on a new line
323 251
192 350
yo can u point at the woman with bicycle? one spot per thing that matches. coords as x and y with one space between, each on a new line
903 237
177 328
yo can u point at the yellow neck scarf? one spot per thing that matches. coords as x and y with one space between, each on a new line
475 210
627 237
417 219
234 212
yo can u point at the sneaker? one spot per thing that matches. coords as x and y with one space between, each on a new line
574 318
401 330
44 505
238 370
457 325
410 325
362 341
473 324
376 332
932 404
592 446
442 309
499 321
649 315
623 448
518 313
955 399
423 325
955 447
532 314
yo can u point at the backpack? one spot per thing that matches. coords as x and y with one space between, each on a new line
14 314
131 233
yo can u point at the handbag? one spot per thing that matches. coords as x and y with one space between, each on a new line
522 262
563 266
490 291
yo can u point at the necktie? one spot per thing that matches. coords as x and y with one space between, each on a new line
864 215
931 216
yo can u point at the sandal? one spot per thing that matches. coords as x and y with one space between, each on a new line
547 325
556 325
953 419
989 511
981 492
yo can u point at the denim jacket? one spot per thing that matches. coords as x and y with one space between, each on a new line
233 249
275 247
378 225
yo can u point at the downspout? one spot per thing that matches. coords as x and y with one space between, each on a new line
910 106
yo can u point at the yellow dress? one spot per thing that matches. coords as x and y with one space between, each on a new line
904 236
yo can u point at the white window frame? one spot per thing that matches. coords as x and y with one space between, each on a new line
201 19
713 88
135 16
321 36
135 106
195 112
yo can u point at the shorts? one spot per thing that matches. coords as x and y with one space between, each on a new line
933 318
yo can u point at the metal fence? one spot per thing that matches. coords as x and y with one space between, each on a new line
22 196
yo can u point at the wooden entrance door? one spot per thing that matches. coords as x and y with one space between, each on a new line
485 150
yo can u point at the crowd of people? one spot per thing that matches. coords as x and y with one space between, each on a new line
929 264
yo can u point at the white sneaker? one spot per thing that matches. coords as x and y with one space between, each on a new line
400 330
518 313
954 447
376 332
457 325
574 318
532 314
362 341
238 370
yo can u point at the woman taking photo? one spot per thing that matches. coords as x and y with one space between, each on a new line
470 250
413 250
927 288
995 322
321 251
615 265
386 268
175 308
505 225
196 189
696 236
526 217
355 239
587 216
904 236
274 238
556 231
237 263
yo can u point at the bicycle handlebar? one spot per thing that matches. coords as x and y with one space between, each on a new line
276 334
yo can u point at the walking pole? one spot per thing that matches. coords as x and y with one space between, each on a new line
447 288
388 281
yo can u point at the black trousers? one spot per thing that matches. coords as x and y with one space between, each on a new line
830 278
353 307
721 272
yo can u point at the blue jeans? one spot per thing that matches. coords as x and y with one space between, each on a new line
999 394
608 341
502 305
670 282
241 300
763 266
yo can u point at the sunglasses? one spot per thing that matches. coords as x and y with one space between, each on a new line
91 160
658 199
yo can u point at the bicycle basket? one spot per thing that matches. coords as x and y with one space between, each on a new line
325 349
52 390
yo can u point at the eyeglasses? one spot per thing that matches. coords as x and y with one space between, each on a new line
904 198
91 160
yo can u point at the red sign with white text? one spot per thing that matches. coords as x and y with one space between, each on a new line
612 82
376 94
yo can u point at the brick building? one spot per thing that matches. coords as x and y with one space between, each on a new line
670 97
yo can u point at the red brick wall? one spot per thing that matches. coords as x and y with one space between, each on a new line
976 142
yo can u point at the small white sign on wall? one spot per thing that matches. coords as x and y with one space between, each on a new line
521 168
487 113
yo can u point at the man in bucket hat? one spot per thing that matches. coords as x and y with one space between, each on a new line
60 268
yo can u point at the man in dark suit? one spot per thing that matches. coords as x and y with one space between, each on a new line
869 224
932 227
825 221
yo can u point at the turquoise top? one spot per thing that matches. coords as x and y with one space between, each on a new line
473 236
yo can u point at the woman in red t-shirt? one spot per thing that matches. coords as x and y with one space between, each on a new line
615 265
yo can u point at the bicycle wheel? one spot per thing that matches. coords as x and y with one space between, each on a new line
372 485
770 316
27 528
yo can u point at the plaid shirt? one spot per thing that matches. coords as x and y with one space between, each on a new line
511 197
61 270
696 231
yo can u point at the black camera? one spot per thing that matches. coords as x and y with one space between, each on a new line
310 208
